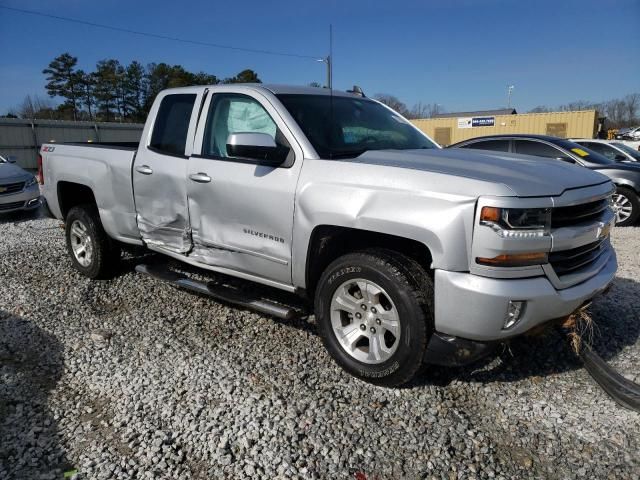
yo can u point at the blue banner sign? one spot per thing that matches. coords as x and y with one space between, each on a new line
483 121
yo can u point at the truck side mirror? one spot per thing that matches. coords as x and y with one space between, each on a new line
12 159
256 146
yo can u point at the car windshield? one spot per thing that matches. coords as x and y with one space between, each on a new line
628 150
346 127
582 152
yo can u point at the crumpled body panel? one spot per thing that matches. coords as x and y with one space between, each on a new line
171 233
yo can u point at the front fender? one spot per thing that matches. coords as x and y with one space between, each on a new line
442 222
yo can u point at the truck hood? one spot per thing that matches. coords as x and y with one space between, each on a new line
10 171
524 175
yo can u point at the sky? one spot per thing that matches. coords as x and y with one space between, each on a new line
461 54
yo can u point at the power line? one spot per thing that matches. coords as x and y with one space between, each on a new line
157 35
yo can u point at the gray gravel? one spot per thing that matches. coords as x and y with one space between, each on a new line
130 378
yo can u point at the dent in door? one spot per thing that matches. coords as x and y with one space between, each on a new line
171 232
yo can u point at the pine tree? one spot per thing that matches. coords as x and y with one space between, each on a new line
64 81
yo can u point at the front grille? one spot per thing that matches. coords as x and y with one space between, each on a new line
575 214
568 261
10 206
11 188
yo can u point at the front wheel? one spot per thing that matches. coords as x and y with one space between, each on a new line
626 206
374 311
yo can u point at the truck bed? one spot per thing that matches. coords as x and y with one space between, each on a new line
105 168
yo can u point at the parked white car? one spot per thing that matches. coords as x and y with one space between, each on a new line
632 133
613 149
18 188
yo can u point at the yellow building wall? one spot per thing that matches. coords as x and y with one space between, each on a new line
578 124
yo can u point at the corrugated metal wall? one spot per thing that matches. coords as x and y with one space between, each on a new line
22 138
579 124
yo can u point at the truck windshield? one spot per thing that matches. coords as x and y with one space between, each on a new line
358 125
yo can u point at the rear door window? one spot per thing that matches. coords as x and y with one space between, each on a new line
495 145
538 149
172 124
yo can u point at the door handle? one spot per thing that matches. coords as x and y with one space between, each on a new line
144 169
200 177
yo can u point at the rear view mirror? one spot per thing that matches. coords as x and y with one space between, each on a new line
256 146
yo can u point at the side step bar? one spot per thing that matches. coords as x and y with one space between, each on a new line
220 292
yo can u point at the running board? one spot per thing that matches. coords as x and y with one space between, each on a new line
220 292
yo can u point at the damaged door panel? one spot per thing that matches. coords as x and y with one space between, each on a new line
159 173
241 209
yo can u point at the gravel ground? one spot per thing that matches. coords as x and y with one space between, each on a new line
130 378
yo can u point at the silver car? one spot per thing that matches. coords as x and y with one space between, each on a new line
18 188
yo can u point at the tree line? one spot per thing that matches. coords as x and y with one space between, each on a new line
419 110
620 112
113 91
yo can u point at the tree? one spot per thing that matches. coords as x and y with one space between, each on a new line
63 80
33 107
202 78
392 102
161 76
425 110
135 90
106 89
87 87
632 103
245 76
315 84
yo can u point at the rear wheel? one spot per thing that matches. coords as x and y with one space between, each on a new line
374 312
626 206
92 251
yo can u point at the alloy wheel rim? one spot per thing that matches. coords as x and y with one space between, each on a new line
365 321
622 207
81 243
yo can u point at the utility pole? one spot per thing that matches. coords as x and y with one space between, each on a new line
328 60
509 90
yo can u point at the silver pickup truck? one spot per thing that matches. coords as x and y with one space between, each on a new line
409 254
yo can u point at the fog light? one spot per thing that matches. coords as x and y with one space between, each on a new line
514 312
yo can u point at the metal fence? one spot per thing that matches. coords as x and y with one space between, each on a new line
21 139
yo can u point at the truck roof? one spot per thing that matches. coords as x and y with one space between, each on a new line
274 88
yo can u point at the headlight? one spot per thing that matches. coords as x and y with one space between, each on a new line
32 181
517 222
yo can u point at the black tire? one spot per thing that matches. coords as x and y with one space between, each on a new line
410 289
632 197
105 256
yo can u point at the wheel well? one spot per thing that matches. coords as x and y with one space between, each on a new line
330 242
72 194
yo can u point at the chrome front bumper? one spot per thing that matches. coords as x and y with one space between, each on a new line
474 307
